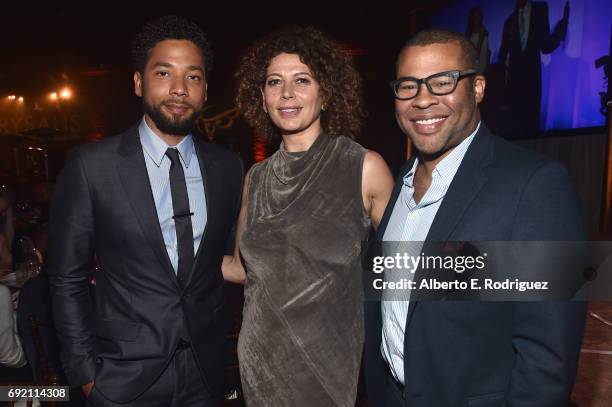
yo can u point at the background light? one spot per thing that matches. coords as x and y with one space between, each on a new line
53 96
65 93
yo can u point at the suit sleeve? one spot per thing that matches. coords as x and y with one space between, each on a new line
505 43
70 270
546 335
550 40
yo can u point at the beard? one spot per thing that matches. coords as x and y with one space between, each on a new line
172 124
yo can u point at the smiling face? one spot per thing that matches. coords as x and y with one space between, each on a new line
436 124
291 96
173 87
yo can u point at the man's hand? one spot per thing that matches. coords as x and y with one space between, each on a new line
87 388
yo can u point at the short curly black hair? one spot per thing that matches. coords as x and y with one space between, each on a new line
169 27
340 82
432 36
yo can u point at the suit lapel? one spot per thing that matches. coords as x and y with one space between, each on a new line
394 196
137 187
466 184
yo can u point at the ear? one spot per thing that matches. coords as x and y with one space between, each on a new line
479 87
263 100
323 98
138 84
205 91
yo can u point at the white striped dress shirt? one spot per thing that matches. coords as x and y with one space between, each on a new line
410 222
158 168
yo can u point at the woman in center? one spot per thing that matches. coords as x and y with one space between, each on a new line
305 212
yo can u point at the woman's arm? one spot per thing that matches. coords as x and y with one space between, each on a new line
232 268
376 186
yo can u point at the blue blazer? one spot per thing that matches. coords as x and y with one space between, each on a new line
490 353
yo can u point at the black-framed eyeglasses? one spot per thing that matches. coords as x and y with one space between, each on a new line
439 84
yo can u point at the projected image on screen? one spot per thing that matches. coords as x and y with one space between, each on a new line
545 61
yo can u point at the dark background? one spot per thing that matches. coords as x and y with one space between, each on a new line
88 49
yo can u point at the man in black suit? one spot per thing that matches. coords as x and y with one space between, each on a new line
155 207
466 184
525 37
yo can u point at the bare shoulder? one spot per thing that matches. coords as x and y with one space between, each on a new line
376 175
374 163
376 186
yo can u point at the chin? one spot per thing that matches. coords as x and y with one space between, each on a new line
289 129
427 148
282 124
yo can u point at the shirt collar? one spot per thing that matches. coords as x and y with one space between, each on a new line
409 178
156 148
448 166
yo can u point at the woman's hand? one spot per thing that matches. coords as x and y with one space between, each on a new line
233 270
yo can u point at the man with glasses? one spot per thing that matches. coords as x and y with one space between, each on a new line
466 184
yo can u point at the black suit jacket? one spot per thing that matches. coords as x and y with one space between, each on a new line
539 40
524 86
490 353
103 207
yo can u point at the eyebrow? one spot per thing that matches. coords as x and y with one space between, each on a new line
295 74
195 68
168 65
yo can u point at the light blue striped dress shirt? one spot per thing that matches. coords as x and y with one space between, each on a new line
158 168
410 222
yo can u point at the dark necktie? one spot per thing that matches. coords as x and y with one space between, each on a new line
182 215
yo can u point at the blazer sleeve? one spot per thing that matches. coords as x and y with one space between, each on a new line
507 39
547 335
549 41
70 270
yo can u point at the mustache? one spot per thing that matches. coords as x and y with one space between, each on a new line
177 102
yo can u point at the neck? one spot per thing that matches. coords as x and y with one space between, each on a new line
296 142
169 139
428 162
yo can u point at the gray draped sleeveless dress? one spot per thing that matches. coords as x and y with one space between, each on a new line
302 331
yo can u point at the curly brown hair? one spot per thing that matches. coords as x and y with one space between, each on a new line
340 82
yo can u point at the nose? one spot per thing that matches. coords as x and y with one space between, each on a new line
287 91
424 98
178 87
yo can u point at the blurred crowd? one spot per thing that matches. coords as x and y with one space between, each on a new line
25 326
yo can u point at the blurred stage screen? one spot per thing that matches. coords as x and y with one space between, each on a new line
572 75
